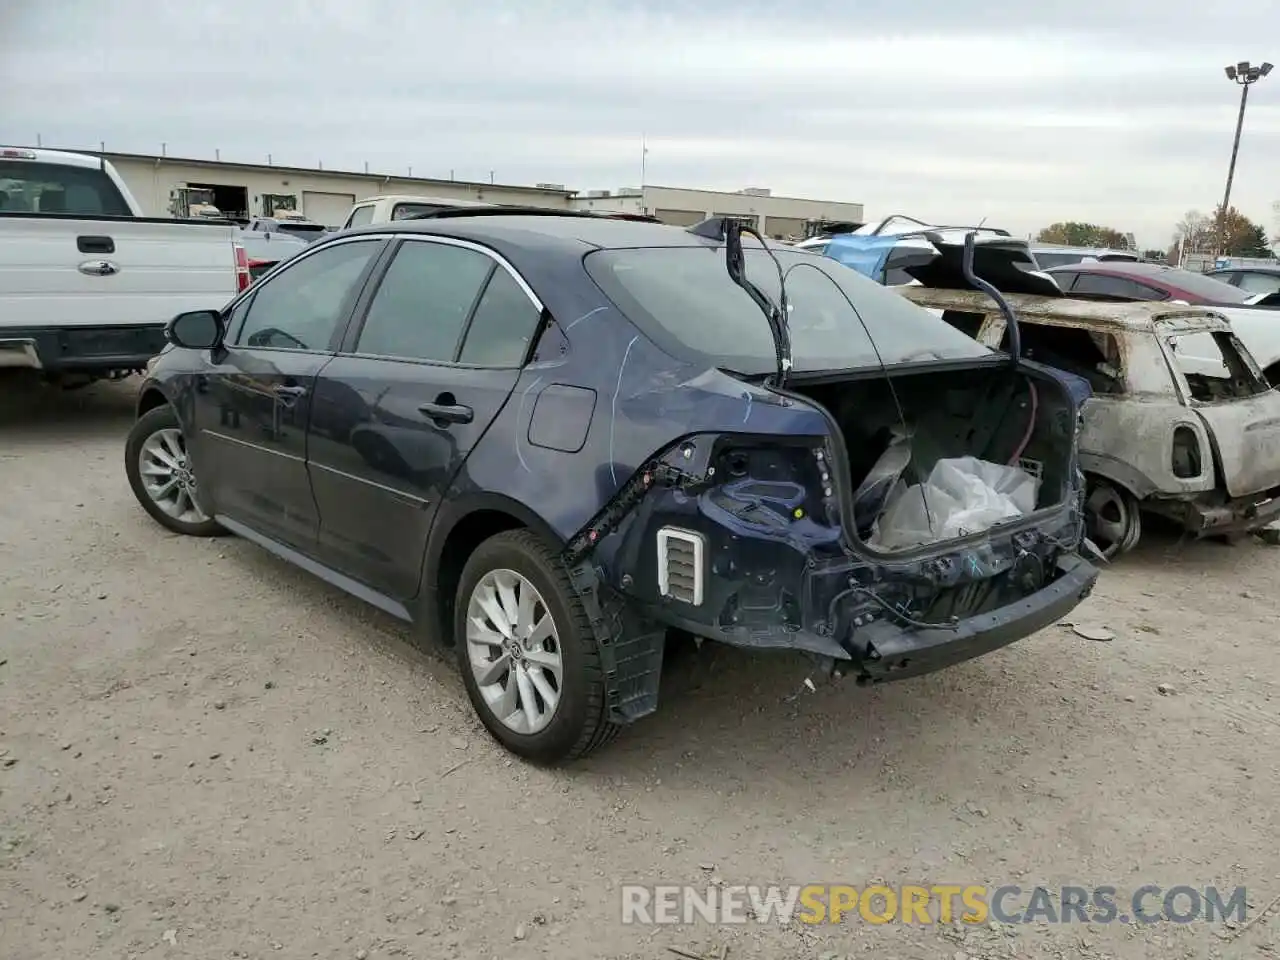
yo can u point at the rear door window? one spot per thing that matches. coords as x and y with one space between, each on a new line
503 326
424 301
1093 355
1108 285
33 187
1047 259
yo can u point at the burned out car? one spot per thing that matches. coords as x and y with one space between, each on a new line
1181 422
548 440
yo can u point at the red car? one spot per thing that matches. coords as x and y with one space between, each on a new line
1129 280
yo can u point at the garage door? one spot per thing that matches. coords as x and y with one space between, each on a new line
784 227
331 209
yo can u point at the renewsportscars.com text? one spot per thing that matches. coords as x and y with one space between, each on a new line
934 903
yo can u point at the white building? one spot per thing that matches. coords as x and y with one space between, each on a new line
772 216
325 196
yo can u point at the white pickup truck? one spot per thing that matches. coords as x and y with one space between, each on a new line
86 283
384 209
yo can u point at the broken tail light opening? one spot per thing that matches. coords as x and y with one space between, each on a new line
1186 462
765 486
773 486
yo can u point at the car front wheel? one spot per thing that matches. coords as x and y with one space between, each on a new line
529 659
162 476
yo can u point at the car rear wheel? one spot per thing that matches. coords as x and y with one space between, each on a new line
162 476
529 659
1112 517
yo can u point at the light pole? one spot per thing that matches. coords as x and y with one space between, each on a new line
1245 74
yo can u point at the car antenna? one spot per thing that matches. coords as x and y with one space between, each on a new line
1010 318
730 230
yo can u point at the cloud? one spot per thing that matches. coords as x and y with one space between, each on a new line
1022 113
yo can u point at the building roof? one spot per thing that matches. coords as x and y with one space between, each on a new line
740 195
324 171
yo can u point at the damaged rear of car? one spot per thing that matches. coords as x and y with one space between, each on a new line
857 480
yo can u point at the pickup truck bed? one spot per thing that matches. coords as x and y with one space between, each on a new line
86 284
94 294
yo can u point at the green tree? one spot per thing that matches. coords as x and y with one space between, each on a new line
1237 235
1076 234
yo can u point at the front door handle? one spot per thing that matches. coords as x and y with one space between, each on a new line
288 391
447 412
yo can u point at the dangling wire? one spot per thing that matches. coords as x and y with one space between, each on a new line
884 367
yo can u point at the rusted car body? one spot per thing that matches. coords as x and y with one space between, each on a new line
1181 422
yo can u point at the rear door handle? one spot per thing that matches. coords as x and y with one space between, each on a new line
447 412
95 245
289 392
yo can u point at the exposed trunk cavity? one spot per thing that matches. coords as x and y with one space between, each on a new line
979 447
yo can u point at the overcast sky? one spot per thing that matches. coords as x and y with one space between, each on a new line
950 110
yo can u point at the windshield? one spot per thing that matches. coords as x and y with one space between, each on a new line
1047 259
1199 285
683 299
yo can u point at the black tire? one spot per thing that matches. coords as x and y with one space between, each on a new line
580 724
161 418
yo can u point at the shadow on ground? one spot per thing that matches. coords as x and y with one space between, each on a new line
30 409
727 716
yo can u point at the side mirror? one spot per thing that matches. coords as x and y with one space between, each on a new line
195 330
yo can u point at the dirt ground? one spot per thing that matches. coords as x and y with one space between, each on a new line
206 753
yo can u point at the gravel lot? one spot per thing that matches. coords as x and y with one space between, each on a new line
209 754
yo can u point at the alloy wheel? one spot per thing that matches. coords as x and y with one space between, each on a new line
167 476
514 651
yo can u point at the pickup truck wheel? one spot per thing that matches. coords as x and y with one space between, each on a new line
529 658
161 474
1113 518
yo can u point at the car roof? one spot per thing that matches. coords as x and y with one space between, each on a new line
526 230
1269 271
1133 267
1068 248
1137 315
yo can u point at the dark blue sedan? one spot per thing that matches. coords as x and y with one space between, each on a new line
550 441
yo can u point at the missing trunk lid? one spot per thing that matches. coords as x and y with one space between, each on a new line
948 454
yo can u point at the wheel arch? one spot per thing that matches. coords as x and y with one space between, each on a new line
149 397
461 526
1118 473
